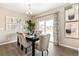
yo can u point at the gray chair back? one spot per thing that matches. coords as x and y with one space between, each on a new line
44 41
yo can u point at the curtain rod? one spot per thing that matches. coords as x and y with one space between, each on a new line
47 15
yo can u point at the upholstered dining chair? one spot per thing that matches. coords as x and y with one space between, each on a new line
43 43
18 40
23 42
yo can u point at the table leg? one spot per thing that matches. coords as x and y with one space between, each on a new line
33 48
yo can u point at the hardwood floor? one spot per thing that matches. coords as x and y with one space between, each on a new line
11 49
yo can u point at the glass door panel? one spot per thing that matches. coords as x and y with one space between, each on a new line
49 28
46 26
42 26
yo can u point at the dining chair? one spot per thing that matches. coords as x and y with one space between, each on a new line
18 40
23 42
43 43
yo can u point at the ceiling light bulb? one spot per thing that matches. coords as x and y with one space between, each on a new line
30 12
28 9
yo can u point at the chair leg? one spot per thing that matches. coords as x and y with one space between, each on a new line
47 51
42 53
25 50
18 44
21 47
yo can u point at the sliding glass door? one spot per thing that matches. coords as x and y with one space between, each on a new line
46 26
42 26
49 28
50 25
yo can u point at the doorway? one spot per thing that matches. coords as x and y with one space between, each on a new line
49 29
46 26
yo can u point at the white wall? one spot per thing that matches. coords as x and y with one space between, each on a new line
68 42
4 35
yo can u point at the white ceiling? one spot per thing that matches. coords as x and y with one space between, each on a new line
36 7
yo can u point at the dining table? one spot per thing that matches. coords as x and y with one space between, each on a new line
33 39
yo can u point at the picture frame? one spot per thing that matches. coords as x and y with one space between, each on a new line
72 30
71 13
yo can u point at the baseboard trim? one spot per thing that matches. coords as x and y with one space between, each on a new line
8 42
69 47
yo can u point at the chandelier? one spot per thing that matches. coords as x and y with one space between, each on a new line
28 9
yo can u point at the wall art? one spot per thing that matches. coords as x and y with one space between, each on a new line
71 13
72 29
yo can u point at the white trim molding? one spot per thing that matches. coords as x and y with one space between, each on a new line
69 47
8 42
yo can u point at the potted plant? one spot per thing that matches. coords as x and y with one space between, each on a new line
30 27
